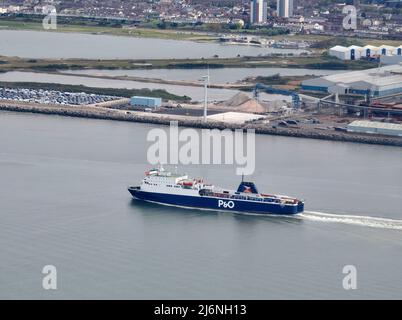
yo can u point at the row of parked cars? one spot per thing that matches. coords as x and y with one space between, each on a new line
52 97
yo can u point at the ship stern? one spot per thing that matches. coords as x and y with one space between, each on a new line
300 207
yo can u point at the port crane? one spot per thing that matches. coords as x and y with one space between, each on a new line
267 89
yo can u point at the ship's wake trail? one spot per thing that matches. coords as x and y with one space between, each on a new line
365 221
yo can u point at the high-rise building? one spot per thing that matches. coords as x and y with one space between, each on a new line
284 8
258 11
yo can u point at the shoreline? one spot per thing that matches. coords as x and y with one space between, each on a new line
310 62
193 122
139 32
34 23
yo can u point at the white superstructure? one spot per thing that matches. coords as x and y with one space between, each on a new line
161 181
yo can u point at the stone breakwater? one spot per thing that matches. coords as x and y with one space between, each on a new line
160 119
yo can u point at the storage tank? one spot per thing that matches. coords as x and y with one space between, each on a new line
146 102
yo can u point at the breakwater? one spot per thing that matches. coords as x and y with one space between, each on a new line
193 122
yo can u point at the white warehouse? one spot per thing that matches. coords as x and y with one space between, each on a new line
349 53
361 126
368 51
340 52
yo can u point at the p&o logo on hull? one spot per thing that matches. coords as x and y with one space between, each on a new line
226 204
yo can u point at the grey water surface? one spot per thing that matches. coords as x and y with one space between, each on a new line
64 202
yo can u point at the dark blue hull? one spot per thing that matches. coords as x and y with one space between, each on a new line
218 204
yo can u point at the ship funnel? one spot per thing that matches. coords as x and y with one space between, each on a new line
248 187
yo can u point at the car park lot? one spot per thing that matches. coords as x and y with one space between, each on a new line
52 97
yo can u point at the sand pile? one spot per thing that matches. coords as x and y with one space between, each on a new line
242 102
238 99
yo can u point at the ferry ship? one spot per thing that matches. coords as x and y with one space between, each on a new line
164 187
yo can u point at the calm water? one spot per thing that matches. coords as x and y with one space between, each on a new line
217 75
63 201
87 46
196 93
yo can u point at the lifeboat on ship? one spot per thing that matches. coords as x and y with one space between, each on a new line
188 183
151 172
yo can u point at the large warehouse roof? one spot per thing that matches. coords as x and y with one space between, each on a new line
377 76
340 48
375 124
374 127
384 78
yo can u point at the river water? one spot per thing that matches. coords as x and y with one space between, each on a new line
195 93
56 45
227 75
63 202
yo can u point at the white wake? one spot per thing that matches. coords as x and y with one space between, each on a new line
366 221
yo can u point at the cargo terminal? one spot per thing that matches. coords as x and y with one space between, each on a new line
326 110
377 82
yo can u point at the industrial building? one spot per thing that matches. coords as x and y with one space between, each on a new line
356 52
370 51
340 52
346 53
377 82
372 127
387 60
146 102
